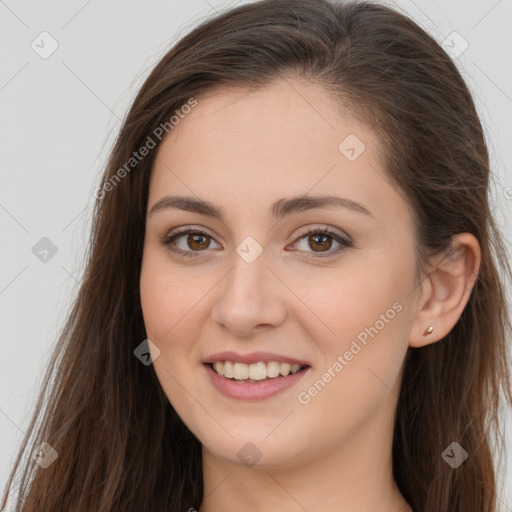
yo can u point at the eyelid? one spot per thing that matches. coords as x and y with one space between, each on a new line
183 230
322 227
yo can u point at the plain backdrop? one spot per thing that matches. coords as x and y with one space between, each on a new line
60 112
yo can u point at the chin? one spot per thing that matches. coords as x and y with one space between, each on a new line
252 445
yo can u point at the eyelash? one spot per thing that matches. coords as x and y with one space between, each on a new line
344 244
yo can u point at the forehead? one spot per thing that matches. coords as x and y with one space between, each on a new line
273 121
246 148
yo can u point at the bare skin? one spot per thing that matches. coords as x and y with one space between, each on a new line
303 297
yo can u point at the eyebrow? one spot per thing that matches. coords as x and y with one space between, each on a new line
278 209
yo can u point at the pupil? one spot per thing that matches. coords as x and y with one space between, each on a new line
324 237
195 237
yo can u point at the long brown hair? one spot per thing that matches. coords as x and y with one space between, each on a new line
120 444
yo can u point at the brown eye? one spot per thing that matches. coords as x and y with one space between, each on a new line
188 242
191 242
320 241
198 241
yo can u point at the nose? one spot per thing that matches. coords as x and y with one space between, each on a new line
249 298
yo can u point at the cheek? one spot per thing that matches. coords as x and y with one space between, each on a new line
361 315
358 374
168 313
169 299
340 304
157 309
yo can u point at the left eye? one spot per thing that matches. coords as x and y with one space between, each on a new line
322 239
198 241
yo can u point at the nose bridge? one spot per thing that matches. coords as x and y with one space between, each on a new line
250 262
248 277
247 297
248 269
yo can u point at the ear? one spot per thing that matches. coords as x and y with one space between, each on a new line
446 290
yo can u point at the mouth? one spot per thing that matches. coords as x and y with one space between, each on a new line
256 372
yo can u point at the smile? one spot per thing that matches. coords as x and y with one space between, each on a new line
255 372
272 378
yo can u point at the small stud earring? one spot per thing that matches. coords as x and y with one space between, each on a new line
428 330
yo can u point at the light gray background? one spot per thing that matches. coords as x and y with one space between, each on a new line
59 116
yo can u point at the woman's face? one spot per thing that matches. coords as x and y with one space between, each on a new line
257 277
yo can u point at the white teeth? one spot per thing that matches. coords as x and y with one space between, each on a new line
285 368
255 371
227 371
258 371
240 371
272 369
295 368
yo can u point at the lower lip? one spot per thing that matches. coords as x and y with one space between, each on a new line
253 390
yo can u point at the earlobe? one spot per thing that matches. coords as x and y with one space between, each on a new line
428 330
446 291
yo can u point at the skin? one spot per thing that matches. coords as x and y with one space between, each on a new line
243 150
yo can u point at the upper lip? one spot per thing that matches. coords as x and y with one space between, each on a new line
253 357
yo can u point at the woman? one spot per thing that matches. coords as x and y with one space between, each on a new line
292 299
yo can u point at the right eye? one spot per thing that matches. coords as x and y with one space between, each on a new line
194 239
